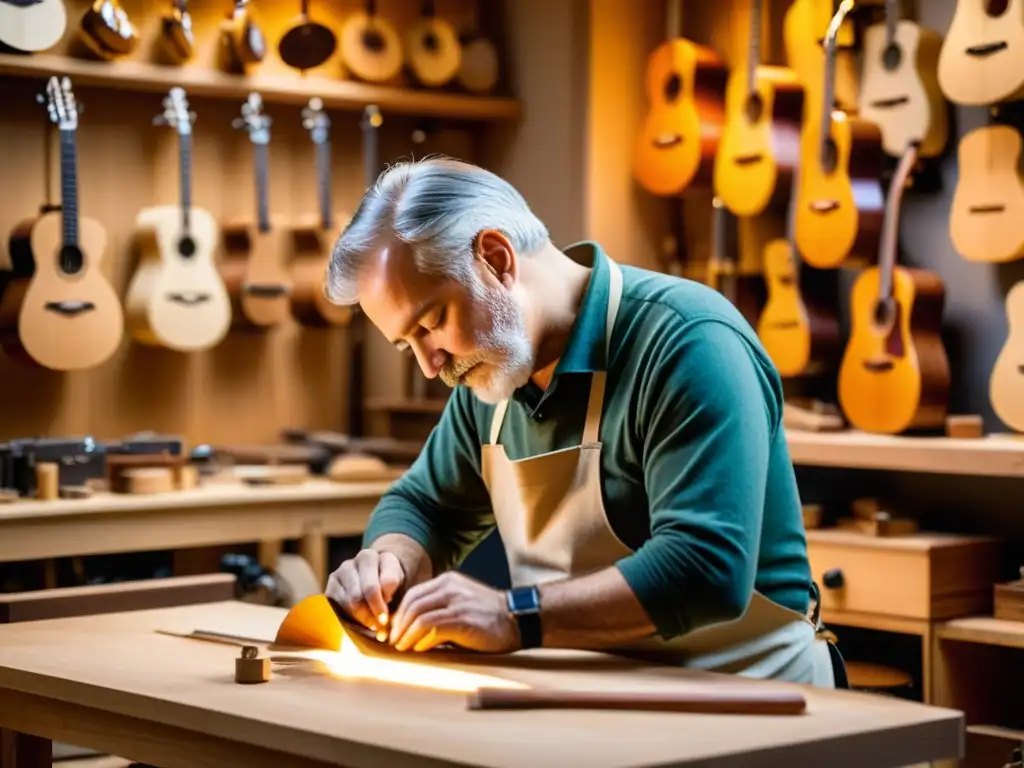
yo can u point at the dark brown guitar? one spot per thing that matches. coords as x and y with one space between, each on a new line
178 40
107 31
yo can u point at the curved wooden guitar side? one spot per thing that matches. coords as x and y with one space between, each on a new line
900 89
176 299
760 145
676 148
66 315
840 200
253 266
986 217
982 57
1006 384
894 375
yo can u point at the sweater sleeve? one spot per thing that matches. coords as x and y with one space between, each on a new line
708 412
441 501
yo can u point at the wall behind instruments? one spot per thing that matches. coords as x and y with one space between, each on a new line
247 388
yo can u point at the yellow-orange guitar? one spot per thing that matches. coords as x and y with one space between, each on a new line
894 375
760 144
840 202
685 85
1006 384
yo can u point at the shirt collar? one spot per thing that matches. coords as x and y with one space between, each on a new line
585 349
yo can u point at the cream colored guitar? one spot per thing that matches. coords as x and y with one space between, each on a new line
900 88
32 25
982 58
176 298
1006 385
986 218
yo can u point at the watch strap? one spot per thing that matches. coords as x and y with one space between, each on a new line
524 605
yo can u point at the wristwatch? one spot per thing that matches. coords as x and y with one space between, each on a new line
524 604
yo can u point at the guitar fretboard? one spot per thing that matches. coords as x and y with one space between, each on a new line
891 17
185 163
323 174
829 95
69 186
754 55
262 205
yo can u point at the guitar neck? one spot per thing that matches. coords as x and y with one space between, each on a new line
69 185
323 175
754 54
891 222
830 75
673 19
185 171
262 154
370 151
892 11
726 271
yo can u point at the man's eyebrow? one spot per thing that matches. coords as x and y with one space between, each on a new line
423 308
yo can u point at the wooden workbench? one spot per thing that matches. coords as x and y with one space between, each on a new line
111 683
205 516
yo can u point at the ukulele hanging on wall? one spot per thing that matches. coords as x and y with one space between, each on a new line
253 266
176 298
434 52
66 314
370 47
312 245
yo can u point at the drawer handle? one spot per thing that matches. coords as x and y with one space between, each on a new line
833 579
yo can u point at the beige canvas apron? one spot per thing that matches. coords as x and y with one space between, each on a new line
550 515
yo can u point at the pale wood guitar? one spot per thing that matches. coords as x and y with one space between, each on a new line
370 46
894 375
760 144
840 200
65 315
312 244
1006 384
253 267
478 66
900 88
176 298
32 25
982 57
685 85
434 51
986 217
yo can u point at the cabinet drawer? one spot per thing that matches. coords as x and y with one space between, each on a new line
919 576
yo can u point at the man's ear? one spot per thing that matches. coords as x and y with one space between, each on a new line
497 255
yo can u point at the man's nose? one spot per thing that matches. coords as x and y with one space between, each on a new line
430 359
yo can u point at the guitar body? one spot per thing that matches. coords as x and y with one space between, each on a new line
256 281
31 28
371 48
755 160
892 381
982 57
310 307
685 86
801 338
987 212
107 31
478 66
905 102
839 214
434 51
64 322
173 301
1006 385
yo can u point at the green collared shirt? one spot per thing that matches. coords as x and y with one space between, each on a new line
695 470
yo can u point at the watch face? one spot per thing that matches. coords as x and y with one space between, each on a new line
523 599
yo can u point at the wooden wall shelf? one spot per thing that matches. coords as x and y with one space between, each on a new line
992 456
983 630
141 76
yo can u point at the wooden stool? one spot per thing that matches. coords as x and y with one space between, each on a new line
876 678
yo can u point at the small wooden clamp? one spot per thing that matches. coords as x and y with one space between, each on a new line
250 667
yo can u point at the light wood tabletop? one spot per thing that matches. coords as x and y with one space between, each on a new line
113 683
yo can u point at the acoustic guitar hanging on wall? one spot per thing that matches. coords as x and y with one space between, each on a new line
1006 384
433 48
177 39
65 315
107 31
307 44
370 47
32 25
243 42
176 298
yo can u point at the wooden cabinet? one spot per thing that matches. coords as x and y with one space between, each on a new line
926 576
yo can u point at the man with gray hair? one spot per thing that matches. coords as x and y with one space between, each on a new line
620 428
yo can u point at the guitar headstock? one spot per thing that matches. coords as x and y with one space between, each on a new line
60 103
253 120
316 121
176 112
372 117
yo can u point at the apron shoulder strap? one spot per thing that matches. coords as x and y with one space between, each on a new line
595 404
496 420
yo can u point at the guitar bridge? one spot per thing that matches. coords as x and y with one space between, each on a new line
986 209
188 299
896 101
986 50
824 206
267 290
69 308
879 366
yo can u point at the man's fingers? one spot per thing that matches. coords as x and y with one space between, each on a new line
420 599
424 629
353 601
368 568
391 575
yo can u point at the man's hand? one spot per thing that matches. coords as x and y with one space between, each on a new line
454 609
364 585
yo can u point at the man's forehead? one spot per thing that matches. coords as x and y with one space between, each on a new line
393 285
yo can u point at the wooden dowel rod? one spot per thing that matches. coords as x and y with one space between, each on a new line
727 700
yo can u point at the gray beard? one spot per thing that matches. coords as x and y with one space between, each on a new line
504 347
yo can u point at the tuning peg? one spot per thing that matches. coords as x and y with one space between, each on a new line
238 122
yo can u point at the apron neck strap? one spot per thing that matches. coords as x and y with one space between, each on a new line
595 404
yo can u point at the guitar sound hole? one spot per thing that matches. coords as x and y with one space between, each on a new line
754 107
673 87
1020 370
996 8
187 247
883 313
373 41
71 259
431 43
891 57
830 156
22 3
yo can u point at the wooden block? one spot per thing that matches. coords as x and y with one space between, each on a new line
47 480
812 516
815 416
1008 600
965 425
880 524
186 477
273 474
250 667
119 464
865 509
148 480
75 492
8 495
